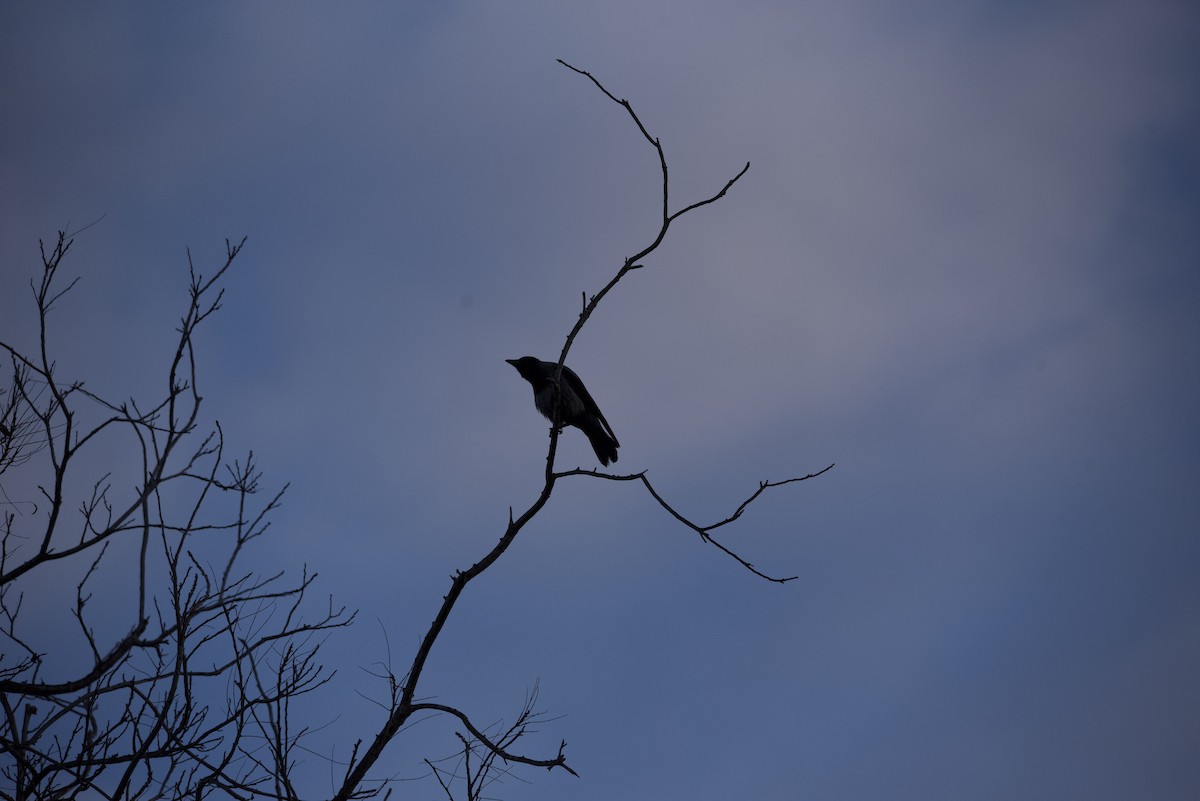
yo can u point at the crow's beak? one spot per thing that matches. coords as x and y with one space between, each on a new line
513 362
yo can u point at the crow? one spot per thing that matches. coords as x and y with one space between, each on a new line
576 405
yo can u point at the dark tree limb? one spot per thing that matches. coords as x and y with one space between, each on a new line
632 263
134 718
403 693
476 765
705 532
559 761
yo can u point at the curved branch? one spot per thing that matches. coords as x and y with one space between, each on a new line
632 263
705 532
559 761
403 706
101 667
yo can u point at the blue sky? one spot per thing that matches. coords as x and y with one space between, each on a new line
962 266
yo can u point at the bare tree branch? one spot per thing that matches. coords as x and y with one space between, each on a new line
192 664
632 263
559 761
403 704
705 532
136 717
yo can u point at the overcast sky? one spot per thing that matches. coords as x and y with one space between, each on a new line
962 265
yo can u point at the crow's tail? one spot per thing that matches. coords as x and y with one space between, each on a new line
603 444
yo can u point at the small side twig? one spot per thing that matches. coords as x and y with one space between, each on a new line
705 532
559 761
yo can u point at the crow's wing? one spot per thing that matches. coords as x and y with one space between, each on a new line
589 403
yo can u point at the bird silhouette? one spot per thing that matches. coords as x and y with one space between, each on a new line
576 406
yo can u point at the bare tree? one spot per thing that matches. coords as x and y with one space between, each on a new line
133 716
164 617
404 704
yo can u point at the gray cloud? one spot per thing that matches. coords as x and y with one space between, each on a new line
960 266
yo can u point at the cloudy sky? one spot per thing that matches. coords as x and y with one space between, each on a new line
962 266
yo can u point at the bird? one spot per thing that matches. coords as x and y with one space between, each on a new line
575 402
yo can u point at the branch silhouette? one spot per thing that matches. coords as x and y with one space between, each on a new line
705 532
404 705
135 715
131 715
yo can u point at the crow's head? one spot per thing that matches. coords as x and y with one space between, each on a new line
529 367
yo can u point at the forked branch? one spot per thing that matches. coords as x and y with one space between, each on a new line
498 748
632 263
403 703
705 532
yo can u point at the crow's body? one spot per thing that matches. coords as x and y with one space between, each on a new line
576 404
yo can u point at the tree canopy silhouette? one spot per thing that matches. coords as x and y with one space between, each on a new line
179 680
